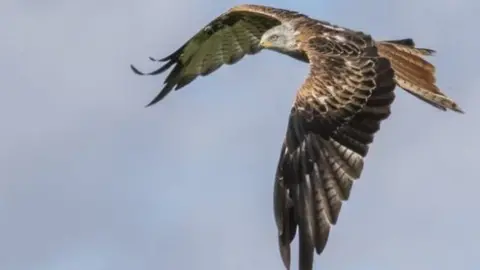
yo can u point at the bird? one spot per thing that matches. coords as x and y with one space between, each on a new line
336 112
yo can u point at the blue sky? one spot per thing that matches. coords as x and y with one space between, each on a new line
90 179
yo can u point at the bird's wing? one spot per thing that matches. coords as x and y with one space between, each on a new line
225 40
415 74
333 120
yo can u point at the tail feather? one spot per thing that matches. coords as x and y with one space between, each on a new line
409 45
415 74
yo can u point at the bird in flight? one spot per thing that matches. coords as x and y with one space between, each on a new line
336 112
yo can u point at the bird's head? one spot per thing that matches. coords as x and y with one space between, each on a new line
280 38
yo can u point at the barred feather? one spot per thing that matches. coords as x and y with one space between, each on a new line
414 74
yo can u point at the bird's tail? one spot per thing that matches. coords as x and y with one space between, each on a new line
415 74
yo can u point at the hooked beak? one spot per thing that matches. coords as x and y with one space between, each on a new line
265 43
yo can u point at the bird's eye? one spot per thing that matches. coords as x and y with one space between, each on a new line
273 37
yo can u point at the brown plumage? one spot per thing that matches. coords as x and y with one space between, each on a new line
414 74
336 112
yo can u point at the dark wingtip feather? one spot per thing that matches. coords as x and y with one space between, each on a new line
148 105
406 42
458 109
426 51
155 72
136 71
284 253
155 100
159 60
167 89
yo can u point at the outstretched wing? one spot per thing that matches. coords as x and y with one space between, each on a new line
333 120
225 40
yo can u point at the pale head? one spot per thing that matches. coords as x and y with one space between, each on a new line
280 38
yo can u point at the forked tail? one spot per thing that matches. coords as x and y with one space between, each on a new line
415 74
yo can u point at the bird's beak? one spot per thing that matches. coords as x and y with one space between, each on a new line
265 44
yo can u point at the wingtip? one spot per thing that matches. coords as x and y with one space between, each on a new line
150 104
427 52
454 107
153 102
285 254
159 60
136 71
160 96
458 110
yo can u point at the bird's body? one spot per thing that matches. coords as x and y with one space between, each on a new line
334 116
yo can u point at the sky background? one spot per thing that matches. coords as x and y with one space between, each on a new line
90 179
